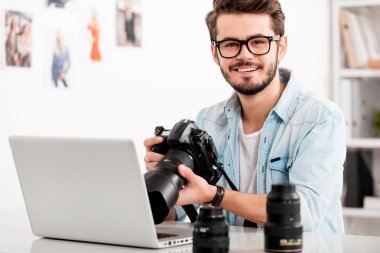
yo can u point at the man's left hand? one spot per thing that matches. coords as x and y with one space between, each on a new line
196 191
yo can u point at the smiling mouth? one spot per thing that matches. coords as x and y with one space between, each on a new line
242 70
245 67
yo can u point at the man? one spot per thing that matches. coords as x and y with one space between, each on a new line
269 131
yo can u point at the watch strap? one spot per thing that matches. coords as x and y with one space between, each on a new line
217 200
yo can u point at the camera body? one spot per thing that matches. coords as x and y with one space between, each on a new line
186 136
184 144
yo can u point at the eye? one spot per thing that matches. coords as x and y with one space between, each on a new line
258 42
230 44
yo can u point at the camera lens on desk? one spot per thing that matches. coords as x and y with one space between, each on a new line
210 231
283 229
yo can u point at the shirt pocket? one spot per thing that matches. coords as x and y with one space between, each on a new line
279 169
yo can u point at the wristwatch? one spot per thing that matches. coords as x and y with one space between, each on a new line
218 197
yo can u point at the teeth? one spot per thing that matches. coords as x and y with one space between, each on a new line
246 70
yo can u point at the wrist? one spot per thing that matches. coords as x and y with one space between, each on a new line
211 194
217 197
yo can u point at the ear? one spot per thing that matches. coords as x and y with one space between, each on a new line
214 52
282 47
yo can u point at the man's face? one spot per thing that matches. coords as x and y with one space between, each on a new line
248 74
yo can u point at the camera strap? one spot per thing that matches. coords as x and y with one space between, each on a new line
191 212
233 187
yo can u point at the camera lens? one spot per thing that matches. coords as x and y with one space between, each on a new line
283 229
164 182
210 231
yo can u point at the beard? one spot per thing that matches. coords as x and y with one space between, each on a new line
247 86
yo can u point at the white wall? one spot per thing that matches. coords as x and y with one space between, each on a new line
171 77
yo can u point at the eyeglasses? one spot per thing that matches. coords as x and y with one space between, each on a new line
257 45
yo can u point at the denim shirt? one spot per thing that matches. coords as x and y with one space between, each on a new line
303 142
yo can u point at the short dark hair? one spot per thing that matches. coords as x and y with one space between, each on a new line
271 7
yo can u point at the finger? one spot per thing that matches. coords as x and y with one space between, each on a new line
186 172
153 157
151 160
151 166
149 142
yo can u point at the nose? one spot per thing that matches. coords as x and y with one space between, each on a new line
244 53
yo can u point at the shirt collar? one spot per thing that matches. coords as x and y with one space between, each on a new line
231 105
286 104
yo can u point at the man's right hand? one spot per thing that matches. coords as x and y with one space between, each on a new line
151 158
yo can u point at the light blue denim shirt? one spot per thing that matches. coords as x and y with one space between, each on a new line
303 142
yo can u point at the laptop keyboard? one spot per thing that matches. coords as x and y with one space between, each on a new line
163 235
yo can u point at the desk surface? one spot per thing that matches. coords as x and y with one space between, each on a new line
16 236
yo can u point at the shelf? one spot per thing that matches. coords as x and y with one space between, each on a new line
364 143
360 213
358 3
360 73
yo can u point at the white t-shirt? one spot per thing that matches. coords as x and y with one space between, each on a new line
249 146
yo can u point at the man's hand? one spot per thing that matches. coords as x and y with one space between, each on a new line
151 159
196 191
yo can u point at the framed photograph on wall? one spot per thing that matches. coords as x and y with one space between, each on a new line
17 31
94 32
61 36
60 3
91 14
128 23
2 35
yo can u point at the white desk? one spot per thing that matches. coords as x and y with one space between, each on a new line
16 236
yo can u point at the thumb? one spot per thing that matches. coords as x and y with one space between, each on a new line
186 172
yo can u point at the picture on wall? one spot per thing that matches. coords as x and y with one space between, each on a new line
59 3
18 39
2 35
60 50
60 66
128 23
94 29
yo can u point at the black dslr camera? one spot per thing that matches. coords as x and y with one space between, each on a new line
184 144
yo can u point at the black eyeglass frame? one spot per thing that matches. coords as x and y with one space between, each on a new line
245 42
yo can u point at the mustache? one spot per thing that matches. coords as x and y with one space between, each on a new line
245 64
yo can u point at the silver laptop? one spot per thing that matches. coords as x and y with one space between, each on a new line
91 190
